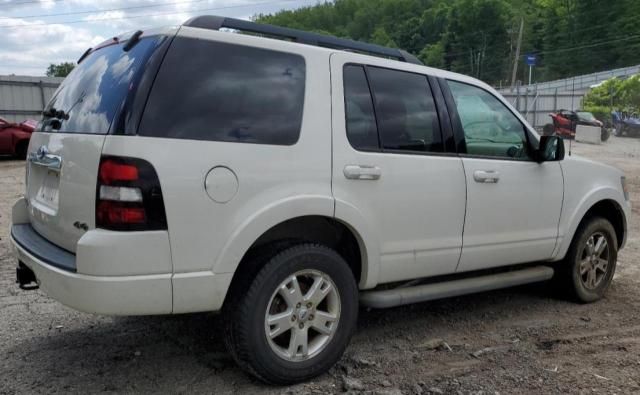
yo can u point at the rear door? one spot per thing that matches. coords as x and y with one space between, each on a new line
65 150
390 164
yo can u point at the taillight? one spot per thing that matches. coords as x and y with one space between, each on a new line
128 195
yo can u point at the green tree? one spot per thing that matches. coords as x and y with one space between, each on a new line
607 94
630 93
433 55
614 94
381 37
479 37
475 46
60 69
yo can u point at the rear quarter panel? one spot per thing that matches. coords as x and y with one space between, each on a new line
275 183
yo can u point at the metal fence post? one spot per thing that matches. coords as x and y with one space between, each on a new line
526 104
41 86
535 106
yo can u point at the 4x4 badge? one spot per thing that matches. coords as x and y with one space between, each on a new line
81 225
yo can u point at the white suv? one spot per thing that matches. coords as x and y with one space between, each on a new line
285 182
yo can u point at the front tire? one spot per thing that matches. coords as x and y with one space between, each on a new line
591 261
297 317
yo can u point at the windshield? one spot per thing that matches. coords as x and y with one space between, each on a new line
587 116
92 94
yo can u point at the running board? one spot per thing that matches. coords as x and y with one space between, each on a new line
421 293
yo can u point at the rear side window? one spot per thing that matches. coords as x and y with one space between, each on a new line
207 90
405 110
361 122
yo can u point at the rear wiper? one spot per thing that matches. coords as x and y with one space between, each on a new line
57 114
55 118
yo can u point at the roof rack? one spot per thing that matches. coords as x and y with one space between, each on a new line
214 22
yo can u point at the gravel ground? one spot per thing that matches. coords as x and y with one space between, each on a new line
521 340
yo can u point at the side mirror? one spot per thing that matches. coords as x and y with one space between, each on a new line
551 149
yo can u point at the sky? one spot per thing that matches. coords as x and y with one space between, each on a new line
36 33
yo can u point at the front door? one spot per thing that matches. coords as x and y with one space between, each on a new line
513 202
389 165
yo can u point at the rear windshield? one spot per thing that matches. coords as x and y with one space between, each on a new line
97 88
207 90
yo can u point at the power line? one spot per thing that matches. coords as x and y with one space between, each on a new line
103 10
26 2
144 15
588 45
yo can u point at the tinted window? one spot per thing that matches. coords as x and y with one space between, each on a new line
94 91
490 129
361 123
209 90
405 111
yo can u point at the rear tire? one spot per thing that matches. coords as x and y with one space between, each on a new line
590 264
297 316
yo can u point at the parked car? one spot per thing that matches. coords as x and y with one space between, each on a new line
285 183
14 137
565 123
626 124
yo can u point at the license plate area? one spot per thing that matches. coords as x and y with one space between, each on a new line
47 196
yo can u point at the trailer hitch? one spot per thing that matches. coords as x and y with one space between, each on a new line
25 278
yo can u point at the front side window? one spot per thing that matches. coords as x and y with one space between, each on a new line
207 90
490 129
406 113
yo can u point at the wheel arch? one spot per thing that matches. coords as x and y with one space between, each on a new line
612 211
605 203
307 219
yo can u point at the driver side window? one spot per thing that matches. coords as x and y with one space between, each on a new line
490 129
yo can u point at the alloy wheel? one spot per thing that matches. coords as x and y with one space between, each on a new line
302 315
594 261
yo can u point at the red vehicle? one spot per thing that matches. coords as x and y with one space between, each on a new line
566 121
14 137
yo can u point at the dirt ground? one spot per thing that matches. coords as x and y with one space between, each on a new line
521 340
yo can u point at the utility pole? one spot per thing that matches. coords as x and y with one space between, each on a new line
516 59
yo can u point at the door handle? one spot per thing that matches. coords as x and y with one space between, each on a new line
486 176
362 172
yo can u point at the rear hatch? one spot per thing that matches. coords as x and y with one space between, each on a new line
98 97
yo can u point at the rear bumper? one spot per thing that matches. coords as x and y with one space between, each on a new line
111 273
110 295
115 273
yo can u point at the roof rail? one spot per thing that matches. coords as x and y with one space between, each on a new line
213 22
